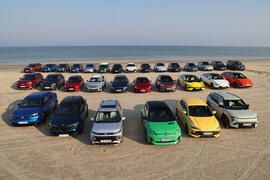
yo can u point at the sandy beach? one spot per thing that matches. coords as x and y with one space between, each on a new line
30 152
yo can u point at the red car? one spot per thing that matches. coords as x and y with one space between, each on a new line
165 83
142 84
74 83
34 67
237 79
29 81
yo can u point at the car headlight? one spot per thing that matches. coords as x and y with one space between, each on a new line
35 114
177 131
53 84
75 125
153 132
193 126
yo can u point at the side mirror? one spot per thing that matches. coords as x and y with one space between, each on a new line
123 118
220 104
92 119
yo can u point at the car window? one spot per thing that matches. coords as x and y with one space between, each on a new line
235 104
199 111
36 102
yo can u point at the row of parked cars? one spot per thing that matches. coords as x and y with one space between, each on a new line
131 67
120 83
194 116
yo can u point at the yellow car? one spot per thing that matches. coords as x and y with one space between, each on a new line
190 82
197 118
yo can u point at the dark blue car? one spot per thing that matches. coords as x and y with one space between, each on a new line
120 84
76 68
49 68
34 108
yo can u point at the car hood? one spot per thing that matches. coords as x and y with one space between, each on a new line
195 84
26 111
245 113
205 123
48 82
163 127
73 84
220 81
93 83
65 120
167 83
115 85
106 127
245 81
143 85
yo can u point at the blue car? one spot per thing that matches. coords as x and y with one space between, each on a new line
49 68
34 108
120 84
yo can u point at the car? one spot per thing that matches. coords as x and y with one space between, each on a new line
145 67
104 67
237 79
191 67
117 68
34 108
108 124
205 66
190 82
160 67
33 67
76 68
165 83
131 67
214 80
74 83
52 82
160 125
120 84
29 81
218 65
235 65
142 84
231 110
197 118
49 68
96 83
174 67
69 116
63 68
90 68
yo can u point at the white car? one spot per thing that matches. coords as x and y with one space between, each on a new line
160 67
131 67
214 80
205 66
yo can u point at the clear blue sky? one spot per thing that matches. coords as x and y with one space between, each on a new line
135 22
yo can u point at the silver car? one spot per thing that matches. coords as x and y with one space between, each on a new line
96 83
232 110
205 66
90 68
108 123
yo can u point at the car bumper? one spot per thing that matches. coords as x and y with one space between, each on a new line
26 120
244 123
167 89
93 89
97 139
118 90
142 90
75 88
221 86
24 86
194 88
198 133
164 140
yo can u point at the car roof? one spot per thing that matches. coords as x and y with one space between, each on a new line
156 105
37 95
194 101
227 95
71 99
104 63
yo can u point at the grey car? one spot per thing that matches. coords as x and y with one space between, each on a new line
96 83
108 123
231 110
90 68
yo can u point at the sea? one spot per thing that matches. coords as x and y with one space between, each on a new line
94 53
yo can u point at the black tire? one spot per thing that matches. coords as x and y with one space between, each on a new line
145 137
225 121
212 85
186 129
235 85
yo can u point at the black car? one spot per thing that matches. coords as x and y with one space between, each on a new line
49 68
76 68
120 84
174 67
145 68
117 68
103 68
69 116
191 67
218 65
235 65
63 68
52 82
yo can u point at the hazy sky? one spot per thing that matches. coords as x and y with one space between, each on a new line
135 22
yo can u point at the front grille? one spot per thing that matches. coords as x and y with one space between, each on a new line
200 133
112 138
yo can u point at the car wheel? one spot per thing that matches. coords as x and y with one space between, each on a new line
225 121
186 129
145 137
34 86
235 85
212 85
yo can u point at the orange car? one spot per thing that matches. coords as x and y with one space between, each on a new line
237 79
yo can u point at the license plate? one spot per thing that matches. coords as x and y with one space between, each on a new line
143 90
22 86
23 122
105 141
169 88
164 140
71 89
118 90
63 135
207 133
197 88
247 124
47 87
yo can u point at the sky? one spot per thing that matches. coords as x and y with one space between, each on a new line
134 22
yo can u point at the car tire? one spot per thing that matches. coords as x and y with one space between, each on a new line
225 121
145 137
186 129
235 85
212 85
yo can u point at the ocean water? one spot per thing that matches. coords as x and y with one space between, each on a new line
79 53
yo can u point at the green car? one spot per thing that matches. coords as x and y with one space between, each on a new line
160 124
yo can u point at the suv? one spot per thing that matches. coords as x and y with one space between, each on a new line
235 65
232 110
131 67
95 83
34 67
108 123
63 68
52 82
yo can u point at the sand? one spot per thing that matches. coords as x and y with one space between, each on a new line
29 152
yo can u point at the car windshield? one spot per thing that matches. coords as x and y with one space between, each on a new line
219 62
160 64
239 76
145 65
103 66
174 65
142 80
32 65
76 65
166 79
62 65
191 64
49 65
130 65
89 65
161 116
200 111
73 79
107 117
216 76
117 66
51 78
28 102
235 104
120 79
191 78
237 63
95 79
28 77
67 108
